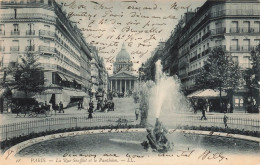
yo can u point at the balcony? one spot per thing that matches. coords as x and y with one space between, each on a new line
246 48
14 48
27 16
193 45
220 46
2 49
234 48
234 30
218 31
46 34
193 59
15 32
30 32
205 52
46 50
206 35
30 48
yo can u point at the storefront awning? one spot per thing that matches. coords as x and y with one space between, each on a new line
69 79
194 93
78 82
62 77
209 93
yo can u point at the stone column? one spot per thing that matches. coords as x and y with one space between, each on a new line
130 87
116 86
120 86
125 86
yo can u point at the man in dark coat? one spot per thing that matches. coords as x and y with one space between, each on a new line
61 107
90 110
204 112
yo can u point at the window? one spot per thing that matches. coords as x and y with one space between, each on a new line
31 26
46 27
246 27
257 26
235 59
2 28
246 62
234 44
49 2
30 44
15 42
234 26
1 45
16 27
257 42
246 44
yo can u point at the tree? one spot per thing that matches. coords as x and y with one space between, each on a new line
219 72
28 75
255 56
252 78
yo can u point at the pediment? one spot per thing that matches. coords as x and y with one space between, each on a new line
123 75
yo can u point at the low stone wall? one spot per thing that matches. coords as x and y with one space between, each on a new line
11 152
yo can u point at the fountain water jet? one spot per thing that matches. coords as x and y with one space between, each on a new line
165 97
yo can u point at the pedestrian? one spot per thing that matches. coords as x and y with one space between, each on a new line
79 108
195 106
90 110
137 113
207 105
81 104
204 112
225 118
228 108
61 107
91 104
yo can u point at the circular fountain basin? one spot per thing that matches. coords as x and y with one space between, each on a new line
124 143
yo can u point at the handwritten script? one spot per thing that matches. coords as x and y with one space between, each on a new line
140 25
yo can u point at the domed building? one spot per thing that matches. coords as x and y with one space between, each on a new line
123 61
123 80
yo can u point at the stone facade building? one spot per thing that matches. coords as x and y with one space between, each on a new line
232 24
41 27
123 80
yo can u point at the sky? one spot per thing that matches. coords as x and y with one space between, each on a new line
140 24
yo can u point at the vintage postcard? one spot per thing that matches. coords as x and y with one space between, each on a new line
130 82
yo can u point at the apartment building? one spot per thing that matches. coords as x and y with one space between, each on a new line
232 24
41 27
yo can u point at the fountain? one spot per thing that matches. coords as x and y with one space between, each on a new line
164 97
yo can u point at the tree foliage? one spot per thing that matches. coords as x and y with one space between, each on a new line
28 75
255 71
219 72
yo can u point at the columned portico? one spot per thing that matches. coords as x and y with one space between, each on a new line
122 82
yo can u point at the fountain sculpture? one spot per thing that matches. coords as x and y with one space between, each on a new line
156 138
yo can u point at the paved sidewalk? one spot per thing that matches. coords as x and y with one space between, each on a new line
123 107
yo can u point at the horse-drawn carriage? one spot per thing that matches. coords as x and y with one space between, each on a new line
32 109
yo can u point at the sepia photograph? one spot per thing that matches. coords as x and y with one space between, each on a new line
132 82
